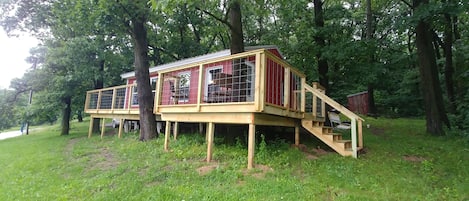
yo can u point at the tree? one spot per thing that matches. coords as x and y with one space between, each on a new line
145 96
323 66
432 94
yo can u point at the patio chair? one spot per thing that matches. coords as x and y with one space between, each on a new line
335 121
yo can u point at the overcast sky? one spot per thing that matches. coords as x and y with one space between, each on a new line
13 52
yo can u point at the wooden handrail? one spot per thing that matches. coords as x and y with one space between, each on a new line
356 121
333 103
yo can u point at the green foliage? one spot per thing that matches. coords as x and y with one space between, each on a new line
88 42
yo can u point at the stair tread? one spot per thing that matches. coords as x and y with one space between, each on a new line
332 134
343 141
350 149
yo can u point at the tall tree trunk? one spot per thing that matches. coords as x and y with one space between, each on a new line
432 96
449 68
99 84
66 113
237 46
236 29
79 116
369 36
142 65
323 66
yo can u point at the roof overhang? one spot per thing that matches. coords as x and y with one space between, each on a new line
196 59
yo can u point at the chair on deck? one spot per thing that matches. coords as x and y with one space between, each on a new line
335 121
177 93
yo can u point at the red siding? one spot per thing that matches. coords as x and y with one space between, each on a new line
275 52
275 77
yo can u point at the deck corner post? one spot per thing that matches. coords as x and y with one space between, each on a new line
297 135
121 125
210 135
251 145
90 130
166 135
103 127
175 130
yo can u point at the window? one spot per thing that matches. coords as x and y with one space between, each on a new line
153 83
250 81
184 86
134 94
209 75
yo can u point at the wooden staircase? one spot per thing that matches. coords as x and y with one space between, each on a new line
327 135
313 122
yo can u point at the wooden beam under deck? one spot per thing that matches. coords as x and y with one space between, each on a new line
233 118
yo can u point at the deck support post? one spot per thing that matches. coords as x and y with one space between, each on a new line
103 127
90 130
297 135
121 125
201 128
251 145
175 130
210 134
166 135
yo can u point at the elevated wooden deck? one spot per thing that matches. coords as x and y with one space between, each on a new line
254 88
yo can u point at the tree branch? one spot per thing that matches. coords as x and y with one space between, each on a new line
223 21
407 3
166 52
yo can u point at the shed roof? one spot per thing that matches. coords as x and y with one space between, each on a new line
197 59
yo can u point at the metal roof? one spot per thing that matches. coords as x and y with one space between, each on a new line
197 59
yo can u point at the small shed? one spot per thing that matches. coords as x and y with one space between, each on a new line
358 103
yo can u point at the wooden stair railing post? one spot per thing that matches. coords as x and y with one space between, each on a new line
360 135
354 137
303 95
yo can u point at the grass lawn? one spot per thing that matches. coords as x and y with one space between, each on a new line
400 163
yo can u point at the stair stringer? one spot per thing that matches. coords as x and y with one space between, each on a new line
317 131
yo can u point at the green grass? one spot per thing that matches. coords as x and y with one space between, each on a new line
46 166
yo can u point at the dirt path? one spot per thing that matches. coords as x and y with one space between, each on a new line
102 159
9 134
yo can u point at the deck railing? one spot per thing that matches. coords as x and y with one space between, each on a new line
256 78
111 99
356 122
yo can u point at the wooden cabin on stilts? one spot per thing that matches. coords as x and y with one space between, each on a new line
256 87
